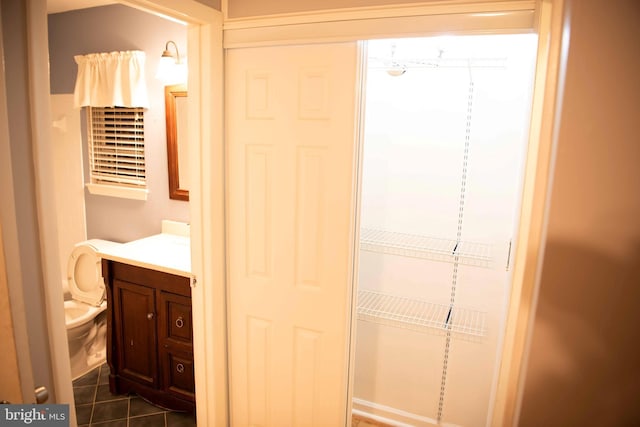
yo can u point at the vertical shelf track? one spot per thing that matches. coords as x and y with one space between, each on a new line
456 260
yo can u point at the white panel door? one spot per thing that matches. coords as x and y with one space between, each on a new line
291 143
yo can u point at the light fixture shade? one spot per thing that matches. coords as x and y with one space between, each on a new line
181 72
171 68
396 70
165 69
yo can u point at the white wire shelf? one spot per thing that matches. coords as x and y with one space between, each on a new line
431 248
419 315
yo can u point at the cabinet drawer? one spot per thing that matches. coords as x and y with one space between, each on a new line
178 374
175 320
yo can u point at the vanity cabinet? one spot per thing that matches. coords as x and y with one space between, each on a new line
149 334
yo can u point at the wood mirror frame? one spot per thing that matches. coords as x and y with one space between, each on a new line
172 118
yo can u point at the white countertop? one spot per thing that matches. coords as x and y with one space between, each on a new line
170 253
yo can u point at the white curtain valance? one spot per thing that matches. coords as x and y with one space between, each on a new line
111 79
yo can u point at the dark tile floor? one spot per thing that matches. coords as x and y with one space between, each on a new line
96 406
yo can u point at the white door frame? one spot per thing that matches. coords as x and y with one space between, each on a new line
206 206
542 16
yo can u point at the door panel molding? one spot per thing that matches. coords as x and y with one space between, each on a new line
291 147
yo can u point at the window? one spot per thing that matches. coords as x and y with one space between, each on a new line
116 151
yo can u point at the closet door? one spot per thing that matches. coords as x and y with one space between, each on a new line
290 147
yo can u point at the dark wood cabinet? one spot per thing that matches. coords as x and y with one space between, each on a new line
149 335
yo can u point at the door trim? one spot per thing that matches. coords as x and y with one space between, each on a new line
375 12
529 249
361 72
545 20
40 115
455 20
207 215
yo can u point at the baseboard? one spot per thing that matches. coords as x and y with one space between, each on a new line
390 416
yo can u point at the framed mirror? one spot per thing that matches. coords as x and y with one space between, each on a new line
175 100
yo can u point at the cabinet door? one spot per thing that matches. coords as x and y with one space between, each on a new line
136 336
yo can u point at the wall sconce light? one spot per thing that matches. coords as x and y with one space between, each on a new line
171 69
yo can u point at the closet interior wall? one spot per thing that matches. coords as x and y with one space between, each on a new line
446 126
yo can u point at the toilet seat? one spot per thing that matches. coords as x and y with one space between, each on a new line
84 275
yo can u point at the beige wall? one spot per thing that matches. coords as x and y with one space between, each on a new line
246 8
584 367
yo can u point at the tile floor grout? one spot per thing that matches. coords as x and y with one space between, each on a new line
99 408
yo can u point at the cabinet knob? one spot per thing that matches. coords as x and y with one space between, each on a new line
180 368
179 322
149 316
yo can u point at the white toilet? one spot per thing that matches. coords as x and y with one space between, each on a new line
84 307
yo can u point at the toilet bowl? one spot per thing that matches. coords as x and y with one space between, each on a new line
84 310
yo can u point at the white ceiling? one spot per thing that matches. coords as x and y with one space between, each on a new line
57 6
